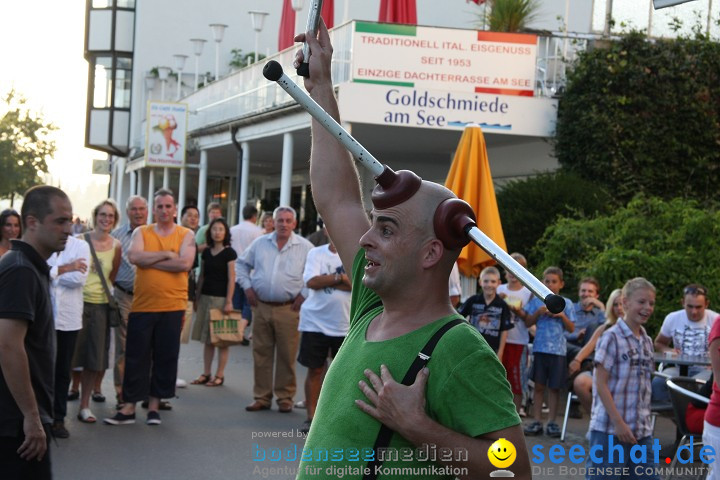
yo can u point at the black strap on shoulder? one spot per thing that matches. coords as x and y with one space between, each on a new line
423 357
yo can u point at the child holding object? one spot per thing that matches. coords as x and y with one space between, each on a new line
549 349
620 415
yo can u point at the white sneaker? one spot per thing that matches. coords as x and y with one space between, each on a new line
180 383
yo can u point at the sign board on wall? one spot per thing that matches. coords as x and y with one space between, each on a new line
444 59
421 108
165 139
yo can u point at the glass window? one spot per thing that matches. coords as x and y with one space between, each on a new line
126 3
102 3
103 82
123 82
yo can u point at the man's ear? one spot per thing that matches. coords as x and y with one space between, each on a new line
31 223
432 253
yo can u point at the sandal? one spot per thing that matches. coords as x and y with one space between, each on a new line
216 382
201 380
73 395
86 416
98 397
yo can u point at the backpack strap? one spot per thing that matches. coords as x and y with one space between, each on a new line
423 357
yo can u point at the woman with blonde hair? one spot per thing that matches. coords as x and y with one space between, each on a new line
582 383
93 342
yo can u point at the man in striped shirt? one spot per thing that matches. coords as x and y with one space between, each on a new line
136 209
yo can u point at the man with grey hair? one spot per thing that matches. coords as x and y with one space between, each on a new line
136 209
270 272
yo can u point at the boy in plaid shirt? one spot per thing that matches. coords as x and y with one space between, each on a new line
620 415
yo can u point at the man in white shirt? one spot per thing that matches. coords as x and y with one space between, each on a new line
68 273
270 272
241 236
324 319
688 330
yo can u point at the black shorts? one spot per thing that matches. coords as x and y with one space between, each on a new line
316 347
549 370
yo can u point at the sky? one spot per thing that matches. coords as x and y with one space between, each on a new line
42 58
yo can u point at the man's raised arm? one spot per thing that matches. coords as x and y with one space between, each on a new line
333 176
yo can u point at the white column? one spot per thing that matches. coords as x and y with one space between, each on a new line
120 172
139 190
133 183
286 174
202 185
151 191
181 188
245 171
113 176
166 177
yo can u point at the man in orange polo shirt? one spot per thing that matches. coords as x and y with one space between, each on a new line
163 254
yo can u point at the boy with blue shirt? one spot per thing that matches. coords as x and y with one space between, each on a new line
549 349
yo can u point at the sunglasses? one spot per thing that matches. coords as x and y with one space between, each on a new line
695 291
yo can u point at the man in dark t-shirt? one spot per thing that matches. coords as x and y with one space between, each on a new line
27 330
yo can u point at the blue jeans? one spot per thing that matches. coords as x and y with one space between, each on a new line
240 303
617 469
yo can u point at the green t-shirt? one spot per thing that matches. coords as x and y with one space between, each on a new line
467 391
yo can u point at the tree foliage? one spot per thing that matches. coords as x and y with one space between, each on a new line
529 205
671 243
644 116
24 146
509 15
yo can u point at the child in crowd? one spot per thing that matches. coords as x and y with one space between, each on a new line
514 358
620 415
549 364
488 312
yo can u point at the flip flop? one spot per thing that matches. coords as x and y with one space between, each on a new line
86 416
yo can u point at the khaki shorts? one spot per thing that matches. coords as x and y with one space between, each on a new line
93 341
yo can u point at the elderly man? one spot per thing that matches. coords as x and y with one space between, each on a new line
271 274
462 400
163 254
136 209
27 335
688 330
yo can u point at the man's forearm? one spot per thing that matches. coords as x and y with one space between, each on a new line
174 265
146 259
16 371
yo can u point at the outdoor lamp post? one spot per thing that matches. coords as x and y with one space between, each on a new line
198 44
258 21
218 30
163 73
179 66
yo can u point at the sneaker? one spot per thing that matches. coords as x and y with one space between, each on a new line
535 428
180 383
545 408
59 430
300 404
153 418
552 429
305 428
120 419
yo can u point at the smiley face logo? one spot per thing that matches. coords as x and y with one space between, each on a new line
502 453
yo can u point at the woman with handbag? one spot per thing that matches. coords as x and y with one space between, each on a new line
99 307
216 285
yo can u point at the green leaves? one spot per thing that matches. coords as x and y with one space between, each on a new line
24 146
644 117
671 243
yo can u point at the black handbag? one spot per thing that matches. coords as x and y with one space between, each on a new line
114 318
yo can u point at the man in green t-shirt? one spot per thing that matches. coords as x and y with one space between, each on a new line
458 406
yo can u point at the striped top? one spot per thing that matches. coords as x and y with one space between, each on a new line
126 273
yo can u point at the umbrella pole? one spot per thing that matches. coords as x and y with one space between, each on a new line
454 220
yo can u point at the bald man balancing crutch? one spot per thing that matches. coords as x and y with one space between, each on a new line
460 401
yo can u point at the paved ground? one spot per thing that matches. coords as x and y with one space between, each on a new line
208 434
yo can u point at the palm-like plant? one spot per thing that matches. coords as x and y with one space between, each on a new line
510 15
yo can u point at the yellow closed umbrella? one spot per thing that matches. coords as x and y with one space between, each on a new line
470 179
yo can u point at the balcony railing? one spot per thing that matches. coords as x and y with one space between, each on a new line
247 93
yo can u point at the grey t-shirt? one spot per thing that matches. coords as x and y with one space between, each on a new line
25 297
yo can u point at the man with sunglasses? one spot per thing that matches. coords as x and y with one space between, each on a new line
688 330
